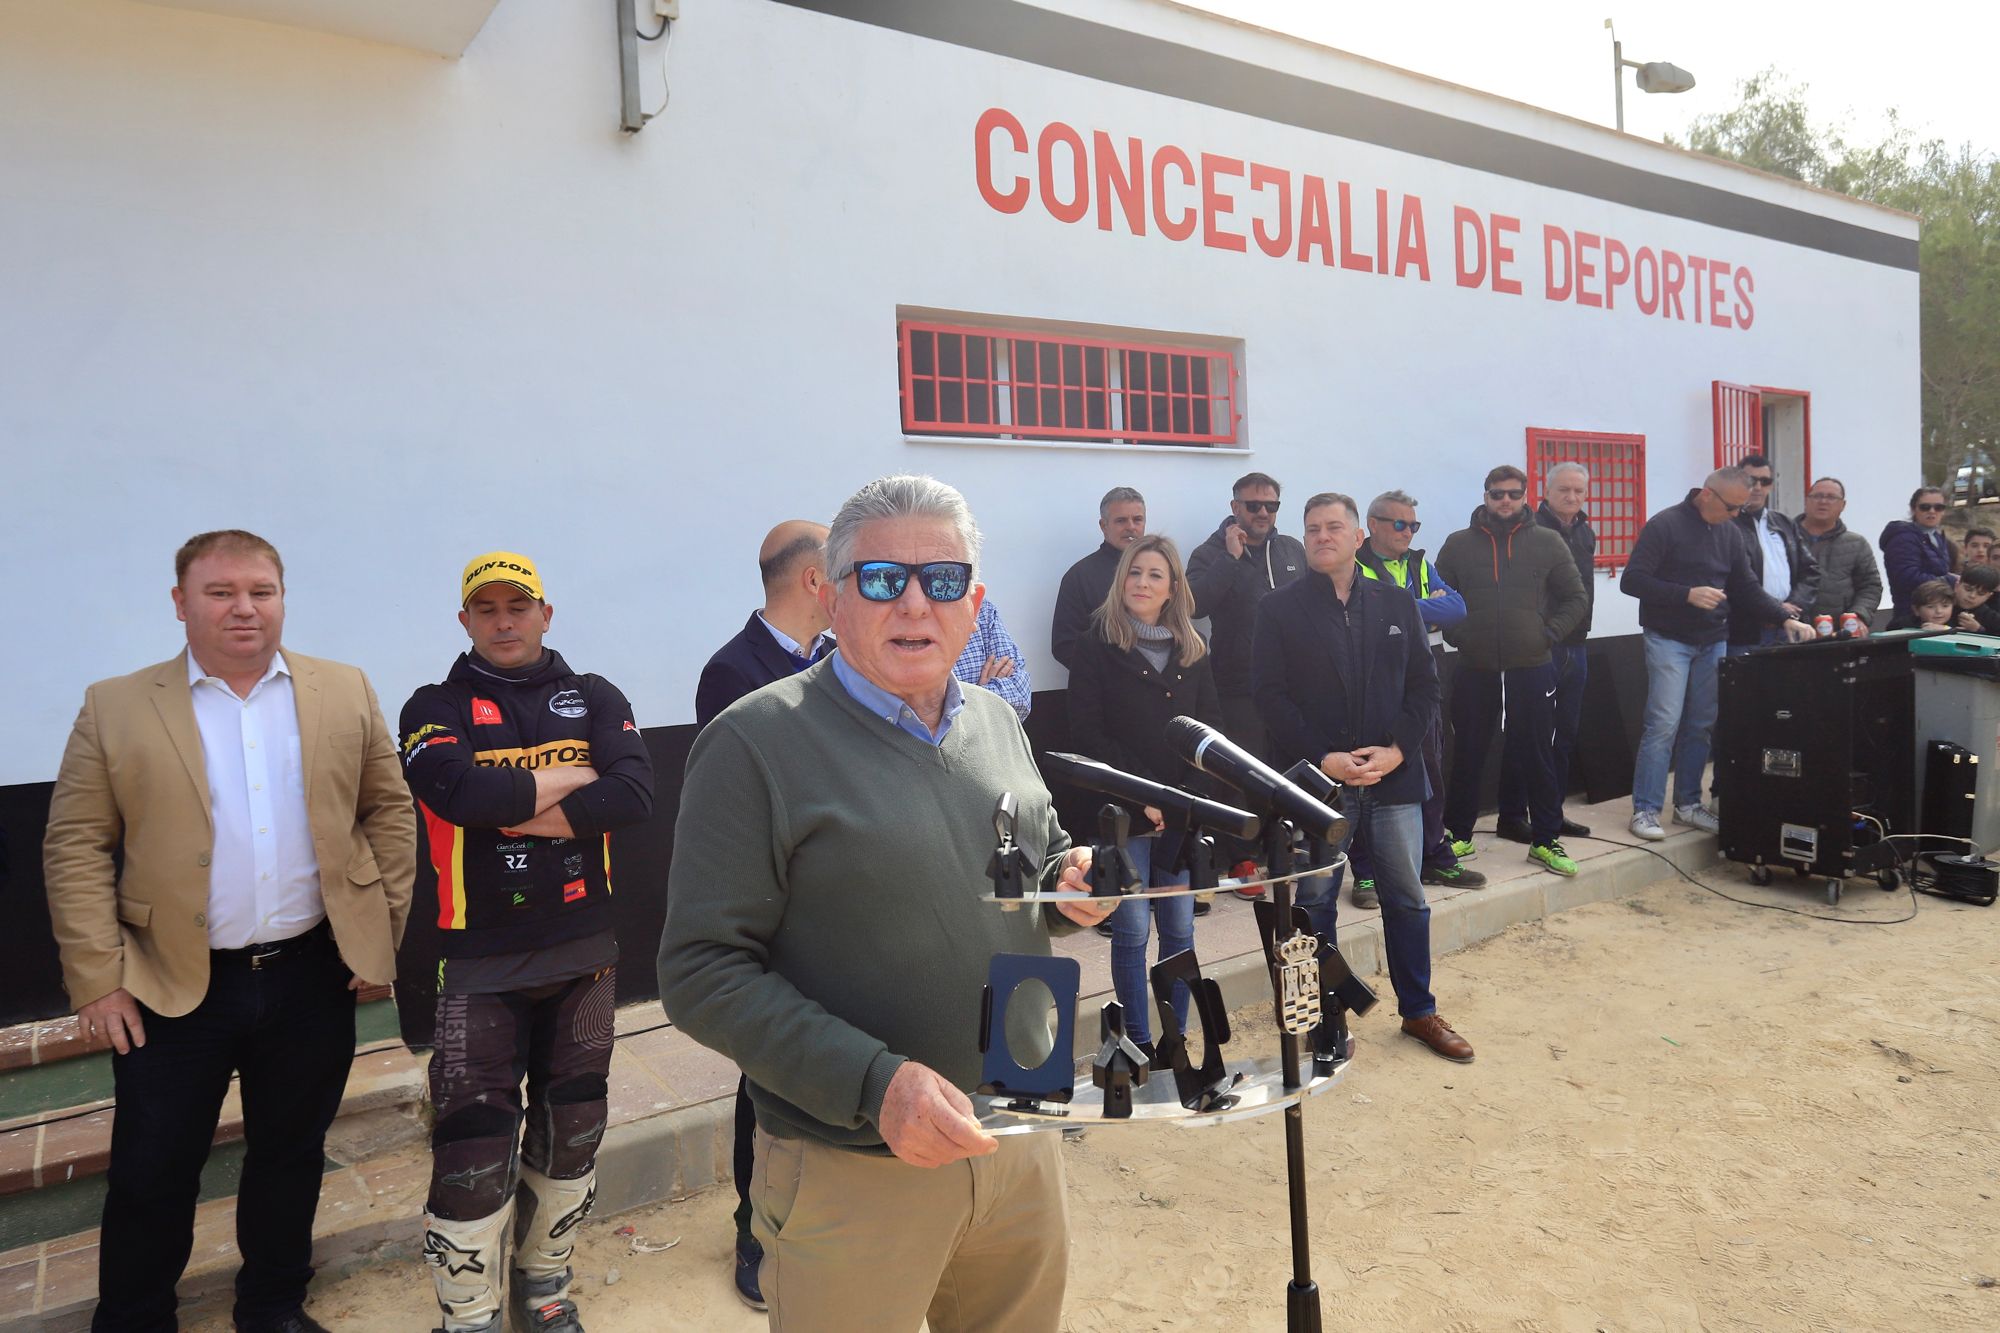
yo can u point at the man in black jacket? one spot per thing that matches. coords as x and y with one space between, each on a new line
1780 557
785 636
1689 570
1344 677
1241 563
1121 517
1522 595
1561 511
521 769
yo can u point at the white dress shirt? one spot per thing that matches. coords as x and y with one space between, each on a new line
263 878
792 645
1777 561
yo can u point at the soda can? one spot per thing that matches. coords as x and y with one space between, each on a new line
1850 625
1823 626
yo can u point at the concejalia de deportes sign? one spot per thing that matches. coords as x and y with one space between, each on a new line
1233 204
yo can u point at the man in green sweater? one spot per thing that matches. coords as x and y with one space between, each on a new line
825 930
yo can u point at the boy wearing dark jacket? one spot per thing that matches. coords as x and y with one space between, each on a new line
521 768
1522 595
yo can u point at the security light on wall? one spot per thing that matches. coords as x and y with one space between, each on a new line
1655 76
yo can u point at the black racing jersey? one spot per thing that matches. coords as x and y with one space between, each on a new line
470 749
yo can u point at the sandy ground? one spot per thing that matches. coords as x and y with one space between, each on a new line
1684 1115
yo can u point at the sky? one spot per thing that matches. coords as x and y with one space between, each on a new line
1931 63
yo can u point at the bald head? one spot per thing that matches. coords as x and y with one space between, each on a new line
791 545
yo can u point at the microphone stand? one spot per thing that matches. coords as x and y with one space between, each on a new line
1301 1294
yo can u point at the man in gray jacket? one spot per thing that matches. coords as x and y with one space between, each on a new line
1849 579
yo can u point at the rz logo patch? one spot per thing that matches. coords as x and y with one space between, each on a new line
485 713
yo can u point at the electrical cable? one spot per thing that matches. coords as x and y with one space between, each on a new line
665 23
1745 902
666 88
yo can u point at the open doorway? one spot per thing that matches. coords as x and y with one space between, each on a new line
1757 419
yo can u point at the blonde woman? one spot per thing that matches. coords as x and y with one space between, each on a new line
1140 663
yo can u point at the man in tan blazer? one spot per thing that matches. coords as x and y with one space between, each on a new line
229 857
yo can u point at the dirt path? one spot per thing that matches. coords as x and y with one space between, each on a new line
1685 1115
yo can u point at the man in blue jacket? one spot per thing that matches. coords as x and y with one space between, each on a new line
1343 676
1688 566
1386 555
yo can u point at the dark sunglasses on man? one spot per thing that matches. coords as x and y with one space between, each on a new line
885 580
1261 506
1409 525
1505 492
1929 508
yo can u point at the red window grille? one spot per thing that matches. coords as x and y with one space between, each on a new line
1008 383
1617 500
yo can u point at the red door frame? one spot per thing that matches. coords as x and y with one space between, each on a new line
1805 448
1739 422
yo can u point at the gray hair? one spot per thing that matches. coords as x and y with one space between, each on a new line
1728 476
1118 495
1391 498
898 497
1568 465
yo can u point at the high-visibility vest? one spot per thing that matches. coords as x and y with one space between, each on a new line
1400 572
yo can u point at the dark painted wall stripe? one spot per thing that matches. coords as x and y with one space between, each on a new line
1152 64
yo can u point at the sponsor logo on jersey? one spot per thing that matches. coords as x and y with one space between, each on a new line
572 890
567 703
556 754
629 727
485 713
411 741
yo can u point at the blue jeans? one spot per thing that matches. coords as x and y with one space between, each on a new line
1396 835
1680 714
1129 927
1572 666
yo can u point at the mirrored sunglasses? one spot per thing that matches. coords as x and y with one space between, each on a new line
1399 524
885 580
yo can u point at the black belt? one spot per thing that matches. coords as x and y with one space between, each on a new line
277 951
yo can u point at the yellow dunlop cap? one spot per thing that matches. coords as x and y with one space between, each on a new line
508 567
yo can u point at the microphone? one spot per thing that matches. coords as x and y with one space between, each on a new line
1170 801
1214 753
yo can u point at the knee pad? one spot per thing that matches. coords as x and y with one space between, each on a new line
547 1212
564 1132
474 1160
465 1260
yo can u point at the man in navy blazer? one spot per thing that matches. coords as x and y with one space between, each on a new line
1343 676
785 636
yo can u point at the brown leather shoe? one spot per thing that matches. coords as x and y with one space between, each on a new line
1435 1033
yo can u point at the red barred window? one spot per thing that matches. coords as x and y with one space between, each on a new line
1617 501
1024 384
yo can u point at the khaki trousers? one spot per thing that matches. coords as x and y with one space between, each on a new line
875 1245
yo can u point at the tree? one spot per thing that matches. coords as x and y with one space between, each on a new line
1956 194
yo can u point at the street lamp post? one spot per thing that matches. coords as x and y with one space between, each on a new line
1655 76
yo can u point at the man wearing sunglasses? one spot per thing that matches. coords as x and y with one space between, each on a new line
1522 596
825 931
1386 556
1779 557
1243 561
1915 551
1561 511
1689 567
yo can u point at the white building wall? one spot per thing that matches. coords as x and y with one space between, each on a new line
391 311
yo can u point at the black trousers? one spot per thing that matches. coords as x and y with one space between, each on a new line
1527 696
287 1027
745 1157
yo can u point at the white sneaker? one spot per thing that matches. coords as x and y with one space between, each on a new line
1697 817
1646 824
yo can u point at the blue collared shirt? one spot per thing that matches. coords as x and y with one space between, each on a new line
893 710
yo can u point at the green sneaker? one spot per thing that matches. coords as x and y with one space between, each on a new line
1552 858
1462 849
1365 895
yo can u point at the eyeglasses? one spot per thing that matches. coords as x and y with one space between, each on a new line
1260 506
1504 493
1756 480
1929 508
885 580
1409 525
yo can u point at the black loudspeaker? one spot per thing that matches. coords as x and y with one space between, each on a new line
1813 762
1951 790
